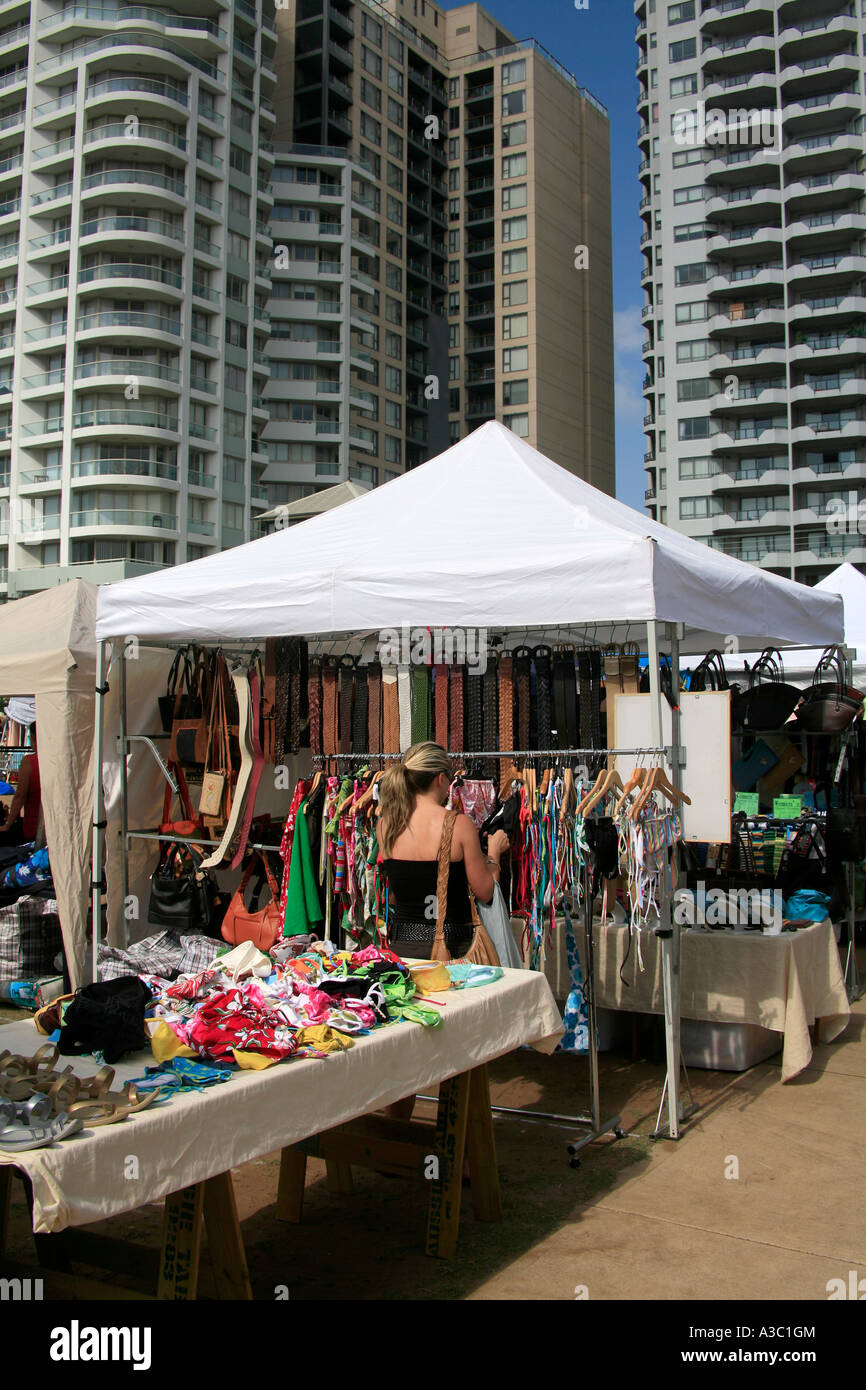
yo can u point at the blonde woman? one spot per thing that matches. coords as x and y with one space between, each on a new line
413 794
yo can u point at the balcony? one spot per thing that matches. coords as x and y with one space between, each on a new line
122 516
122 467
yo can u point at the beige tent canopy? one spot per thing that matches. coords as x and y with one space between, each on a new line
47 649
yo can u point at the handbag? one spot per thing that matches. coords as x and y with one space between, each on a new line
183 896
497 923
181 828
753 765
829 706
264 927
168 701
769 701
482 951
215 799
189 729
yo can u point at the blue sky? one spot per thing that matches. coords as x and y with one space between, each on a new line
597 45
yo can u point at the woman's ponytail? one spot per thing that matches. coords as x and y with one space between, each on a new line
395 802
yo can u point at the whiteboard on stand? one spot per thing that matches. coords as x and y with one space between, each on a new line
705 737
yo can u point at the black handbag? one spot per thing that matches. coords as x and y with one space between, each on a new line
180 671
769 701
829 706
183 896
666 680
799 869
844 838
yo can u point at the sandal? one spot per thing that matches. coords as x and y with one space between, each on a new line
21 1137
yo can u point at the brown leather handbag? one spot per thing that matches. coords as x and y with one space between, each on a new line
482 951
263 928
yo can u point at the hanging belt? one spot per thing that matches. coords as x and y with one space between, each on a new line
420 704
506 703
541 658
564 700
314 690
359 717
455 708
329 704
390 711
242 690
374 707
404 706
596 740
440 696
523 662
473 716
490 716
256 773
347 684
584 675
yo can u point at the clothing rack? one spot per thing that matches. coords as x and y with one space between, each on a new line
506 753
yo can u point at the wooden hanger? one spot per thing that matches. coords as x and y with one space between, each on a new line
636 780
569 794
657 781
347 801
511 774
609 780
545 781
365 800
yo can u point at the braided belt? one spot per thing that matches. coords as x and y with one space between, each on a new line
314 692
329 705
277 661
440 697
506 703
584 675
347 691
543 724
359 717
374 707
390 711
404 706
420 704
523 663
490 712
455 708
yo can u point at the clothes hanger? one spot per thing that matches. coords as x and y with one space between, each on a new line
511 774
366 798
636 780
609 780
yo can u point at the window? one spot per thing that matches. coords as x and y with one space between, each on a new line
236 289
371 62
393 310
395 48
690 231
696 350
395 80
685 157
693 274
454 272
513 166
395 144
394 380
239 159
453 209
454 118
235 378
515 359
394 210
233 516
454 89
242 119
239 202
371 29
453 368
238 246
515 292
394 244
691 507
394 345
395 177
370 95
454 400
514 261
392 449
518 423
693 312
454 302
236 333
393 277
701 427
454 335
393 415
683 49
454 240
698 389
514 229
514 134
395 112
654 78
371 129
513 103
453 181
233 423
513 72
695 194
679 14
515 326
684 86
454 147
515 392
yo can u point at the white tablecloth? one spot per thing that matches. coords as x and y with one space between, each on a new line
116 1168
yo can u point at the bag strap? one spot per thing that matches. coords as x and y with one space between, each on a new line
182 791
249 871
440 950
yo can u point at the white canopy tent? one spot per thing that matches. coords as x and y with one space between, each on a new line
493 535
48 649
489 534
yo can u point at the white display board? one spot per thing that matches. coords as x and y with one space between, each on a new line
705 737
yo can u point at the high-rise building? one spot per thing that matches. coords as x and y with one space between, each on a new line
135 196
442 251
752 147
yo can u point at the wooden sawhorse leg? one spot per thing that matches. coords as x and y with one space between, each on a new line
211 1201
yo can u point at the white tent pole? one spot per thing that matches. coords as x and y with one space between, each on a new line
664 928
97 863
124 799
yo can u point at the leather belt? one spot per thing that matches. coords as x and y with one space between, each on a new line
329 705
473 718
541 658
374 707
242 690
404 706
506 704
440 696
347 691
455 709
584 674
523 663
596 740
490 712
256 773
314 692
390 711
359 717
420 704
564 700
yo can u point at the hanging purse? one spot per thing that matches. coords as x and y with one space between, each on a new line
168 701
482 951
829 706
189 730
191 824
183 897
215 799
769 701
263 928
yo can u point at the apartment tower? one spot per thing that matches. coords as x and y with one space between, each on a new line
752 155
135 164
441 246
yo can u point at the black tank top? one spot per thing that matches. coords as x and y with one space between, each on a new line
412 899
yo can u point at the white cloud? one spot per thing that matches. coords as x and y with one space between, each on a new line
628 333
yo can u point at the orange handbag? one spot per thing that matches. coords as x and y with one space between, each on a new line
263 928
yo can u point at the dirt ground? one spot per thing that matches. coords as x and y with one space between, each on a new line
637 1219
